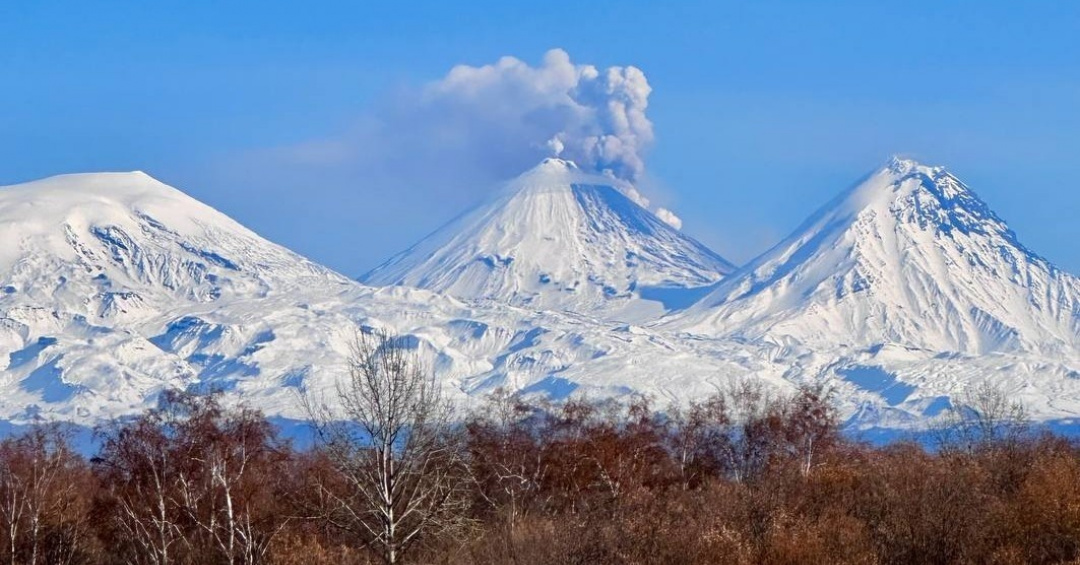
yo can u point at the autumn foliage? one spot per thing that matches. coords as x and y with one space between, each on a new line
741 477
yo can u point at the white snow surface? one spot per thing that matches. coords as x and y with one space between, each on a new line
900 294
115 286
557 238
907 287
909 256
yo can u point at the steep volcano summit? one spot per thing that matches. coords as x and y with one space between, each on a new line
910 256
559 238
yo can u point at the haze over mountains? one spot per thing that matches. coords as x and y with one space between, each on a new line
900 293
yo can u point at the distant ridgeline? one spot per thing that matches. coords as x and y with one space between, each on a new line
902 294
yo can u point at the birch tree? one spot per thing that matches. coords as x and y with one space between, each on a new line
192 481
38 476
392 441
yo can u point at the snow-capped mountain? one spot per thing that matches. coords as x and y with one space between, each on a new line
909 256
904 292
123 245
99 273
901 294
557 238
115 286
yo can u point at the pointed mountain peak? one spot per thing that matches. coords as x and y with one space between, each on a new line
548 175
554 174
898 170
932 178
905 191
554 164
904 166
560 175
911 256
557 237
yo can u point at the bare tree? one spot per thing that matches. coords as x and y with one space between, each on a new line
391 439
139 465
747 451
192 481
750 429
986 419
224 488
507 456
700 437
810 424
38 478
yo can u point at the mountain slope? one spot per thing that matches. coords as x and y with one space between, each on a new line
909 256
95 265
115 286
557 238
125 245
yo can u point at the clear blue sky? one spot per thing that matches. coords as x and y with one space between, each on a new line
762 110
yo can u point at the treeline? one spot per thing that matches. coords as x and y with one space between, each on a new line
741 477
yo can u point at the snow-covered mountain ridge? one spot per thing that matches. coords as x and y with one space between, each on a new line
901 293
116 286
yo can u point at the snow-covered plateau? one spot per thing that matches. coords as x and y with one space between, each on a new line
900 294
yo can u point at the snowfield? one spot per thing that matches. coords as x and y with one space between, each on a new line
900 294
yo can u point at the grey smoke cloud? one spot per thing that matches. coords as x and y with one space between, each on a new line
492 122
428 152
578 112
596 118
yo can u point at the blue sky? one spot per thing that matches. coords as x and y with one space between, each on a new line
761 110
